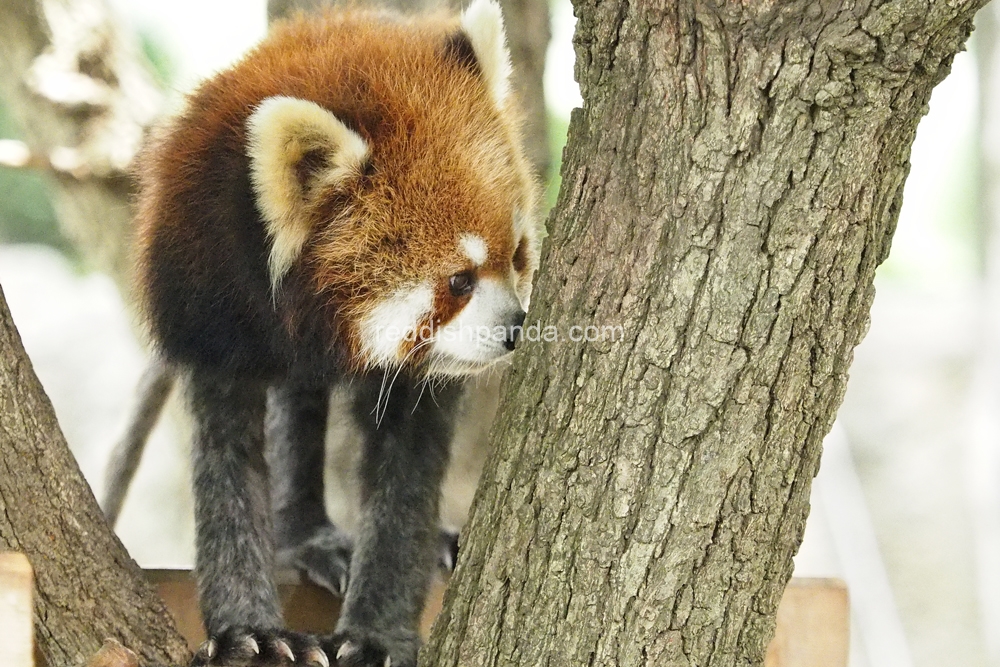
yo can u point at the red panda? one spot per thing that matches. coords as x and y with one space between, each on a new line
367 162
348 205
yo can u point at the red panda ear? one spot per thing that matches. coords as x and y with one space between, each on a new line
482 22
296 147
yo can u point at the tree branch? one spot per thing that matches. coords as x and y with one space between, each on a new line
87 587
75 81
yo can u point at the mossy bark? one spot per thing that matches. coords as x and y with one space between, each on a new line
729 188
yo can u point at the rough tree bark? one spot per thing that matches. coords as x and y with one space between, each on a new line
87 587
729 187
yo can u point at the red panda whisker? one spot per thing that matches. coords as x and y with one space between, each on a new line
423 385
402 364
430 390
381 391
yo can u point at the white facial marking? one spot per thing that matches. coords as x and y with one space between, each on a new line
475 248
394 320
474 338
482 21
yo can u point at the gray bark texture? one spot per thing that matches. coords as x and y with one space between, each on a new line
87 589
729 187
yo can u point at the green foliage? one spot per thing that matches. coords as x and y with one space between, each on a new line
558 127
26 213
159 59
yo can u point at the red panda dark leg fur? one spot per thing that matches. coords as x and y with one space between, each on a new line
232 505
234 547
305 538
403 462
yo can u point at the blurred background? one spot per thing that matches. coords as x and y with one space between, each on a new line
906 507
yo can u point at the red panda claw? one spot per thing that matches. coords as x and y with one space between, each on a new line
284 650
317 656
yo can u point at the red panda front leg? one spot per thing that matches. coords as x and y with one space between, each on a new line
306 539
407 432
234 549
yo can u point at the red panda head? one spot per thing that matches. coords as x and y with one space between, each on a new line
405 197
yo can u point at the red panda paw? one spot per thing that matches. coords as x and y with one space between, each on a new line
357 649
249 647
324 558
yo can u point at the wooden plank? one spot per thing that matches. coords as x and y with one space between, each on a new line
16 583
307 607
813 628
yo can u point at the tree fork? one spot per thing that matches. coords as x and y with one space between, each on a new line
729 188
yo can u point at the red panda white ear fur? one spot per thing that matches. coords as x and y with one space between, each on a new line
482 22
281 132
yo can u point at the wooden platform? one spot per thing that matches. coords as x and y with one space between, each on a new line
812 630
813 627
16 586
307 607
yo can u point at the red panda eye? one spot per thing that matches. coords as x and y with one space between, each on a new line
462 283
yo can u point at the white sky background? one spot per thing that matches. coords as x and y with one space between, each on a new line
931 249
201 36
562 94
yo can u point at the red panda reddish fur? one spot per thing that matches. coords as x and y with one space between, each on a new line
444 160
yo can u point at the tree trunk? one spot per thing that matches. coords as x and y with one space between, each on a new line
729 187
528 34
87 587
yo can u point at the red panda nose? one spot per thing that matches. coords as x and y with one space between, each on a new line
514 330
